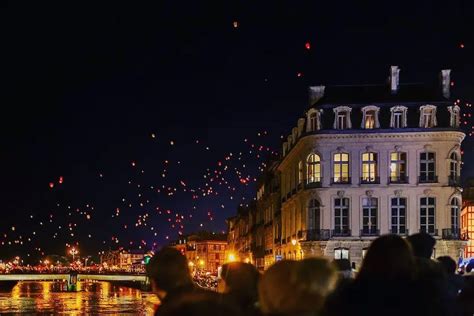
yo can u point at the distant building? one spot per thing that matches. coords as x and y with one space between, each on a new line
362 161
205 251
130 260
467 219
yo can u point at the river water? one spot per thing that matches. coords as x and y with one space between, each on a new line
90 298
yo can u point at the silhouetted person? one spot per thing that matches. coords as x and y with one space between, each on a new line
385 285
170 276
238 282
455 281
466 297
204 303
296 287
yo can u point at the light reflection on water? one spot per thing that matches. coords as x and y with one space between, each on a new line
90 298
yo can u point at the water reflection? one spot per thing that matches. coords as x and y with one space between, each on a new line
90 298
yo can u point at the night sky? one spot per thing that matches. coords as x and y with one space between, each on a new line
96 93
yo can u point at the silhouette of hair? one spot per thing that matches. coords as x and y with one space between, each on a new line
389 257
169 269
200 304
422 244
448 264
342 264
241 281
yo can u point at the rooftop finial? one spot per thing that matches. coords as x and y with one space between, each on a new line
394 78
446 82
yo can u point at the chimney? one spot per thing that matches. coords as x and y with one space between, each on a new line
315 93
445 82
394 77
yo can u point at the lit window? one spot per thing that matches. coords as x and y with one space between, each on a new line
369 167
370 118
341 253
398 205
342 119
398 164
427 215
398 117
455 117
313 215
369 216
428 167
428 116
341 217
341 168
314 168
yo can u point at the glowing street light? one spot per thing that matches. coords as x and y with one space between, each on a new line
73 252
231 257
293 242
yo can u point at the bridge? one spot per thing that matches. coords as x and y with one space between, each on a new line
131 280
80 277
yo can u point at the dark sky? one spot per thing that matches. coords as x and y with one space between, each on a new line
84 86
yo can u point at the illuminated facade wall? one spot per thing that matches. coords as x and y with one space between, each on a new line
467 228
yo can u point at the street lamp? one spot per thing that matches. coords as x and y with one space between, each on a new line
73 252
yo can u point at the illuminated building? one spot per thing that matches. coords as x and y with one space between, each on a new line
129 260
363 161
467 219
205 251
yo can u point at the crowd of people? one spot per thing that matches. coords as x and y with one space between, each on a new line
205 280
397 277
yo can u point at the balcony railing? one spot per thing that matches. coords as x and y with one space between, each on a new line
341 180
314 185
341 232
400 231
399 179
369 232
370 180
451 234
318 234
431 231
454 181
427 179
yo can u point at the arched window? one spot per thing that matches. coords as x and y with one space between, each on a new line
342 117
370 117
455 117
454 168
314 218
428 116
314 168
369 167
455 216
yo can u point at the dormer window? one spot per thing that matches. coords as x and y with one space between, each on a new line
342 117
398 118
428 116
370 117
313 120
455 116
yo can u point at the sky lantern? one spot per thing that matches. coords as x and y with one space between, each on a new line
235 24
51 185
61 179
307 45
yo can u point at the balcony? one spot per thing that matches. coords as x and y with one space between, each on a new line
370 180
398 180
451 234
400 231
369 232
430 231
314 184
341 180
341 232
427 179
454 181
318 234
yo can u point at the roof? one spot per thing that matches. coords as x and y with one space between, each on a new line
380 93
